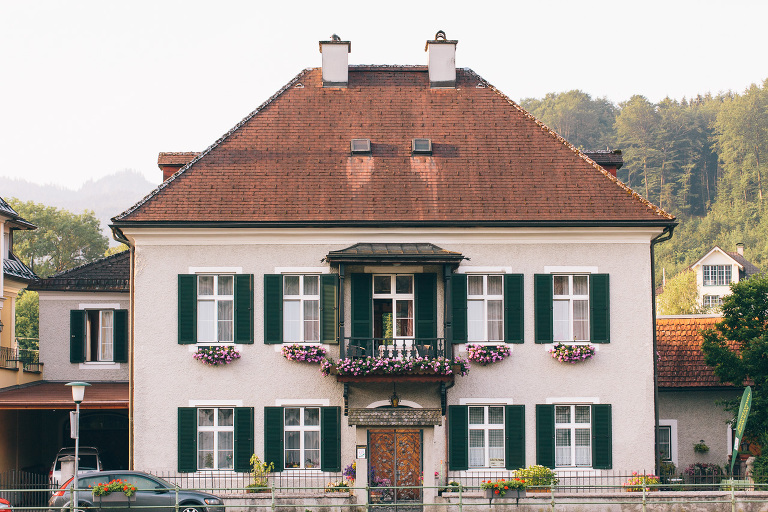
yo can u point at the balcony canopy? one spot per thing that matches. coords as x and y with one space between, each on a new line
419 253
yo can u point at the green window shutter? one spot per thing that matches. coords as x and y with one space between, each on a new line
244 428
273 309
244 308
458 437
599 309
545 435
602 437
330 438
273 437
513 308
77 336
543 316
425 301
329 285
515 436
120 320
459 306
362 305
187 438
187 309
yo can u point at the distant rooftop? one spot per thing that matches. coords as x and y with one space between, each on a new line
110 274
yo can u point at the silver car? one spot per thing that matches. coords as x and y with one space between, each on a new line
89 461
153 494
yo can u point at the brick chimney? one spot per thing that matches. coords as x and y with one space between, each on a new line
442 61
335 61
609 160
170 163
740 248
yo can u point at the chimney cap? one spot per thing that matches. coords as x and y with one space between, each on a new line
336 40
440 38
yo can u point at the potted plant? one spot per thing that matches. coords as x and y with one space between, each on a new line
120 488
260 475
638 482
487 354
500 488
537 478
216 356
572 353
304 353
700 447
340 486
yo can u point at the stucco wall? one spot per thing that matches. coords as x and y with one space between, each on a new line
167 377
716 258
54 337
698 417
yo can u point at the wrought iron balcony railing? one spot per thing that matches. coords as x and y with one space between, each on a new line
389 348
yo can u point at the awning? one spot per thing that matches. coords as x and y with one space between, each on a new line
419 253
55 395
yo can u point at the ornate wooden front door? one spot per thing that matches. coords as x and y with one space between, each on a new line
395 456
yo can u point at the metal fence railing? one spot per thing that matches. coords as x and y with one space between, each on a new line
295 482
30 358
24 489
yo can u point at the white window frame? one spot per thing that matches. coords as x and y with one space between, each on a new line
571 298
708 301
719 275
301 298
572 426
215 429
672 425
486 427
215 299
302 429
484 298
394 297
99 361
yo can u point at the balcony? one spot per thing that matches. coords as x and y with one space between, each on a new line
388 348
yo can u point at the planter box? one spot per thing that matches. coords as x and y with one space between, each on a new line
510 494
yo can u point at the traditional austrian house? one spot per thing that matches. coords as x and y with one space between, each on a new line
689 392
717 270
83 337
395 217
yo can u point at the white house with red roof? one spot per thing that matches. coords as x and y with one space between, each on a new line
392 216
717 270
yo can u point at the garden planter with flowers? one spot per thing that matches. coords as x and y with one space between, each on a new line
216 356
385 367
572 353
487 354
304 353
114 491
501 488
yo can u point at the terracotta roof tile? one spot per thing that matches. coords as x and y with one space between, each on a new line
289 161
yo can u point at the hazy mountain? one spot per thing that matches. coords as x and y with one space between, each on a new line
107 196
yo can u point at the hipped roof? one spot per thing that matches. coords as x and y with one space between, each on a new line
289 162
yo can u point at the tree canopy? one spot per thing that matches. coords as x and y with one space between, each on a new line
680 295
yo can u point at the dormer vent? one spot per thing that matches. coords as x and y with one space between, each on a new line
422 147
360 146
335 61
442 61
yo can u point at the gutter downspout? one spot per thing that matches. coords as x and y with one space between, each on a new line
118 235
663 237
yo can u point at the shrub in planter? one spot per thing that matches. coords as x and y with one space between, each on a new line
501 487
638 482
537 476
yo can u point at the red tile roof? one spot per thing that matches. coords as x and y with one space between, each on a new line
55 395
289 162
681 362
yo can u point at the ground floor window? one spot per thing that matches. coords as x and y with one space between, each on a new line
573 435
486 436
302 437
215 438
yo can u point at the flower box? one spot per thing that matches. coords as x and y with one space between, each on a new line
514 494
117 497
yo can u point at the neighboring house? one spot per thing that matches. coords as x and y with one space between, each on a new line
688 394
83 337
391 211
717 270
14 277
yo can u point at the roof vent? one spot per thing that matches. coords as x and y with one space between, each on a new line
360 146
422 147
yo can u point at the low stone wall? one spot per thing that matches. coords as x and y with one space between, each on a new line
330 502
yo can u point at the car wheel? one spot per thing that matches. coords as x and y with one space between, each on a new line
84 507
190 508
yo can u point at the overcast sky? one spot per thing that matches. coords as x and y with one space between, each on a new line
89 88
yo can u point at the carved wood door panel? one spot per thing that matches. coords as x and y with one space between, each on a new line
395 457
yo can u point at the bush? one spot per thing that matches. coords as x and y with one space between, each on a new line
760 470
537 476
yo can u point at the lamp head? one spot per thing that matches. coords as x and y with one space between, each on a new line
78 390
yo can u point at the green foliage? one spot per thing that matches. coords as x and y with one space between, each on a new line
680 295
27 320
745 317
62 240
259 473
116 249
537 476
760 470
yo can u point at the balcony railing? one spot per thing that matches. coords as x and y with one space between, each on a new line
30 358
388 348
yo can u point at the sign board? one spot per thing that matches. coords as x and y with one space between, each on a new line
73 425
741 422
361 451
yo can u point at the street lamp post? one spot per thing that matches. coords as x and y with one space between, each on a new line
78 393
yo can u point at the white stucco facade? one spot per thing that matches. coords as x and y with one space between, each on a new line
166 377
716 257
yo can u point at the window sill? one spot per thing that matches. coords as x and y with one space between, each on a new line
193 348
99 365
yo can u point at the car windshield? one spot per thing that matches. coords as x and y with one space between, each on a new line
88 462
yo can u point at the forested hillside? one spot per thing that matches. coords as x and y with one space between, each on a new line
703 159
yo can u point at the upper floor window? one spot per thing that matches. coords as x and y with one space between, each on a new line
573 435
99 335
571 307
717 275
302 437
393 306
301 308
712 301
215 308
215 438
485 308
486 436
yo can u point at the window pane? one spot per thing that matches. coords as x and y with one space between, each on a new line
311 416
105 347
291 285
475 320
292 458
404 318
562 447
205 418
292 320
226 450
311 285
226 323
312 440
561 320
292 416
226 285
581 320
311 320
563 414
496 448
561 285
382 284
205 285
312 459
495 285
476 415
292 439
474 285
226 417
495 320
583 452
496 415
583 413
581 285
476 448
205 450
206 321
403 284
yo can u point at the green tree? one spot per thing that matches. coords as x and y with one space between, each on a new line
637 135
680 295
62 240
736 348
116 249
27 322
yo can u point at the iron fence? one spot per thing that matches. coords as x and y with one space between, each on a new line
389 348
293 482
29 358
24 489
